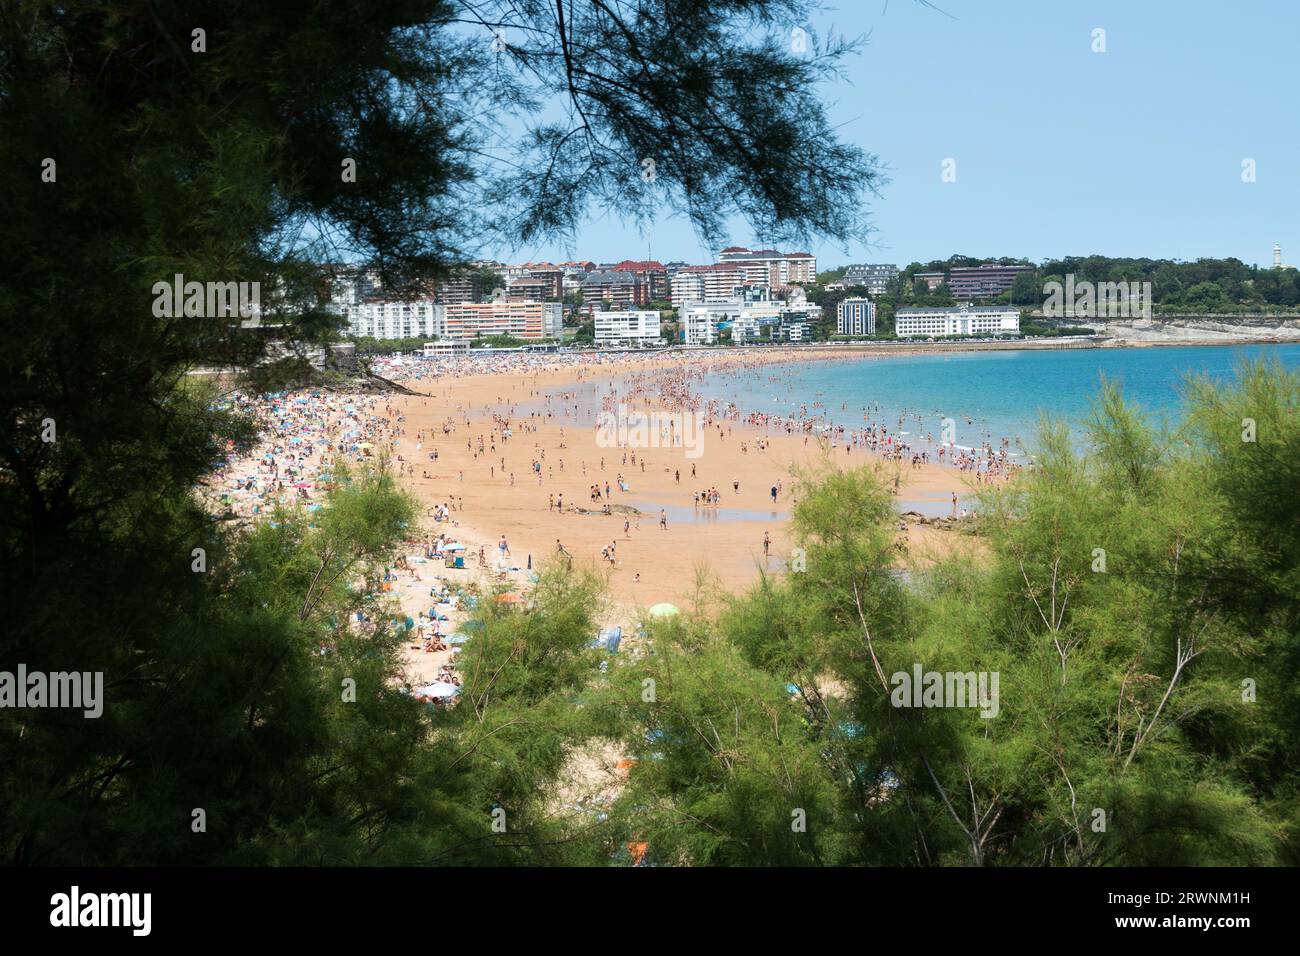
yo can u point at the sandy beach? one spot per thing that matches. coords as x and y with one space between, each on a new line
508 449
497 492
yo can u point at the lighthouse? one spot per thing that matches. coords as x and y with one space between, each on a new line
1277 255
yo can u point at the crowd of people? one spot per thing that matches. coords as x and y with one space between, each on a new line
304 437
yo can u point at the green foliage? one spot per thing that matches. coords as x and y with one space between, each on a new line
226 688
1127 592
724 766
367 346
1203 286
497 342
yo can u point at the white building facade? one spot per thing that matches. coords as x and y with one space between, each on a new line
957 320
770 267
626 328
421 318
699 320
699 283
445 347
878 279
750 321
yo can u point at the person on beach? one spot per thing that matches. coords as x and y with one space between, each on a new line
767 543
503 549
774 494
663 519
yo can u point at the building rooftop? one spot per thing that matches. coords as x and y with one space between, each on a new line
608 277
949 309
712 267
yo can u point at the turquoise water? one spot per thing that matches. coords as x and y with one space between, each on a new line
989 395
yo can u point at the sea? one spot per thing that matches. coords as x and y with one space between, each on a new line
990 395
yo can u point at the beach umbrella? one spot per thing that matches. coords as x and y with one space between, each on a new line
663 610
509 598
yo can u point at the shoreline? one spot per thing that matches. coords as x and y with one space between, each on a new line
530 463
534 414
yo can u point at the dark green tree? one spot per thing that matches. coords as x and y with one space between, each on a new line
270 143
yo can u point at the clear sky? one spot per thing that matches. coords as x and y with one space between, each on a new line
1136 151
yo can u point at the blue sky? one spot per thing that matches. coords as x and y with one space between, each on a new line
1059 150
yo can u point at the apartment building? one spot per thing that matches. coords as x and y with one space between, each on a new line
876 279
624 290
786 325
652 274
797 324
523 320
396 319
983 282
627 328
957 320
748 320
856 317
463 287
533 289
770 267
700 322
699 283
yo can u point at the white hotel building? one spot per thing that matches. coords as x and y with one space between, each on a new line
957 320
627 328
